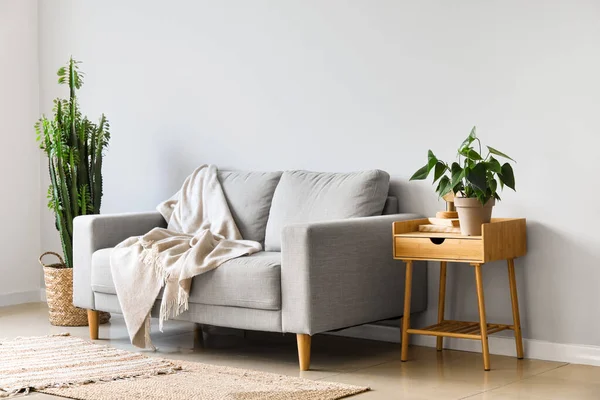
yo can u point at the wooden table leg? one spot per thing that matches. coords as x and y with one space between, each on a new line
441 303
406 315
482 321
515 307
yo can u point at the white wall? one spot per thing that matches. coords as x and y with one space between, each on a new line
20 161
350 85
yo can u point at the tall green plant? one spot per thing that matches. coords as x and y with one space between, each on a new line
473 175
75 147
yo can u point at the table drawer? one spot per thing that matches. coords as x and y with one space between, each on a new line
438 248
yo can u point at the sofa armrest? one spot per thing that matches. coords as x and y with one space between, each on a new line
337 274
95 232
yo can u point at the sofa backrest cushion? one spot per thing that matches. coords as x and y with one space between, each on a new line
249 196
391 206
303 196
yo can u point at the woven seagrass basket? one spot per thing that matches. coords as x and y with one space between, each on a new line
59 294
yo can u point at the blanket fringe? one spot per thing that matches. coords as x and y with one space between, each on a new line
182 299
172 308
168 309
149 257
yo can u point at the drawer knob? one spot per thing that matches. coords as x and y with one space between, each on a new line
437 240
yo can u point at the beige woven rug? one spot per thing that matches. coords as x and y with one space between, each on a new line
61 360
63 365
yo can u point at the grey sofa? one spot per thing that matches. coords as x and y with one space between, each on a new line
327 263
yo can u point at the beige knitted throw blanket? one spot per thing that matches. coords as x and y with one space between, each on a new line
200 236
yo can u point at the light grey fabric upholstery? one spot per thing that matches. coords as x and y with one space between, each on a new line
110 303
230 317
102 280
249 196
391 206
233 317
331 274
95 232
341 273
252 282
304 196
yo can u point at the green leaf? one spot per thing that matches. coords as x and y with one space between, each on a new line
431 156
440 169
498 153
481 197
493 165
431 161
493 185
471 154
444 186
467 142
458 173
421 173
507 176
477 176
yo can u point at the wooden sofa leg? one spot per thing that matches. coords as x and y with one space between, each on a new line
93 323
303 351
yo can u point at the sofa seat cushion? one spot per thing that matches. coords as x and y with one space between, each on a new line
303 196
249 196
250 282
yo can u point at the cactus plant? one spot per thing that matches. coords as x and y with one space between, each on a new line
75 147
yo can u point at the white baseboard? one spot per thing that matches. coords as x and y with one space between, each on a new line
501 345
537 349
11 299
43 295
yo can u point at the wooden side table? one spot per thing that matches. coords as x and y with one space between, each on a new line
501 239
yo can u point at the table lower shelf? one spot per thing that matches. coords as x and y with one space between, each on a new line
459 329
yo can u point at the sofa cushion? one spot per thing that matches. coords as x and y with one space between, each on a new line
249 195
251 282
303 196
102 281
391 206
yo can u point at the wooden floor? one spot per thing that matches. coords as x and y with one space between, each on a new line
428 375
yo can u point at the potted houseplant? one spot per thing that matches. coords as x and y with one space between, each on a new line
75 147
473 178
